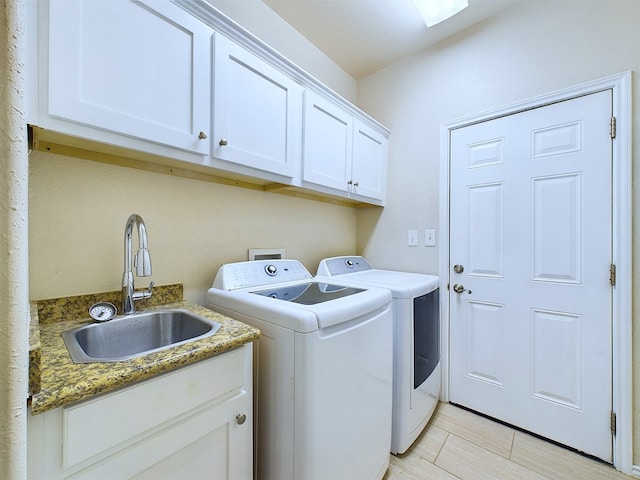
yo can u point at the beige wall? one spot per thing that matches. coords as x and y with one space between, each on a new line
78 208
533 48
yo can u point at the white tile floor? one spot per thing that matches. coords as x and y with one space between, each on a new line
458 444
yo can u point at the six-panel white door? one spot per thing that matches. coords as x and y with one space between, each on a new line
531 250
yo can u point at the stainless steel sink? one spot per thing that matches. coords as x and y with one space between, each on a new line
135 335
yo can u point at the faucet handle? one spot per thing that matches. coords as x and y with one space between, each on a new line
139 295
142 263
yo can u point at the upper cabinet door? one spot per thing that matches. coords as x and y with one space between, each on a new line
369 164
328 140
257 114
135 67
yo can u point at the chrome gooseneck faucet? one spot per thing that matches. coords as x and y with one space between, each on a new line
142 263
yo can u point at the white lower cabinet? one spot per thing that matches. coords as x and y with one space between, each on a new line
195 422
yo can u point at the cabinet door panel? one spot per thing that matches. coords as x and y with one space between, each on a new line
207 445
145 405
140 68
369 164
328 132
258 112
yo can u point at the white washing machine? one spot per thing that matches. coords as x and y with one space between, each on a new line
323 370
416 365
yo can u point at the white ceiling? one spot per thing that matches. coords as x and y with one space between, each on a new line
364 36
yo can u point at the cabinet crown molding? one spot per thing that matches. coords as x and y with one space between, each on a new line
231 29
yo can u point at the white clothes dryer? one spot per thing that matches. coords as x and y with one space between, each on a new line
323 371
416 364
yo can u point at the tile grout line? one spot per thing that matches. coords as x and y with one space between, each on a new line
441 447
434 463
513 439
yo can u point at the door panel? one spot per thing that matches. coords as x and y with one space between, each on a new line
556 228
485 207
556 357
486 351
531 317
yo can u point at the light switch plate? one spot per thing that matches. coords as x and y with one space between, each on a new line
412 238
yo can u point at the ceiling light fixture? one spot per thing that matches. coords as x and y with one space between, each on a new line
436 11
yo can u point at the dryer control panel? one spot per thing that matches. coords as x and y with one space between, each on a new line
342 265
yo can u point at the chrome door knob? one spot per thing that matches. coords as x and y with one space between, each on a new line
458 288
458 268
241 418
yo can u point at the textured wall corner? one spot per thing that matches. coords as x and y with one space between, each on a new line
14 246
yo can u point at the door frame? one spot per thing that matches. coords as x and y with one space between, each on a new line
622 393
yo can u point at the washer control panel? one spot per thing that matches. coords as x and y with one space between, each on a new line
233 276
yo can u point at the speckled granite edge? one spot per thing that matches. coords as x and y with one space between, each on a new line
62 382
34 349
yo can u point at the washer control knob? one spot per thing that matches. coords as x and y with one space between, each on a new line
349 263
271 270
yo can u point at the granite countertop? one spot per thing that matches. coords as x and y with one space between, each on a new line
55 380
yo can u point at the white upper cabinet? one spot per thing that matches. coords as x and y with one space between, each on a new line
342 153
328 141
139 68
177 83
369 164
257 113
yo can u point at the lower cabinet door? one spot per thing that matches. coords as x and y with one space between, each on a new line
192 423
212 444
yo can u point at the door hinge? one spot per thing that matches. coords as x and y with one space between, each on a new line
613 423
612 132
612 275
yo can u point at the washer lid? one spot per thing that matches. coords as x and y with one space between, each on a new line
310 293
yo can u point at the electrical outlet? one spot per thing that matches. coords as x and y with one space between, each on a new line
429 238
412 238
